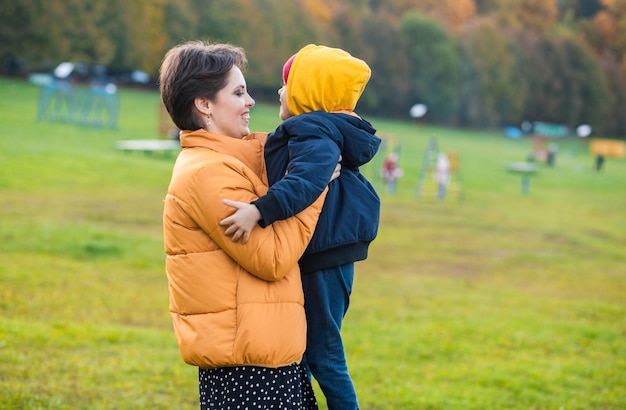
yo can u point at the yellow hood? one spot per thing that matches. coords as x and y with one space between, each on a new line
327 79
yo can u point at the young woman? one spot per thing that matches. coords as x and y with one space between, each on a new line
237 310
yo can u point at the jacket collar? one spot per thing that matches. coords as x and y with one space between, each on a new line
248 150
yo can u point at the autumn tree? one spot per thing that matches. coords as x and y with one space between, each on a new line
614 122
603 33
451 13
434 66
386 93
138 27
617 44
460 57
115 33
59 30
493 90
531 17
565 82
182 21
25 40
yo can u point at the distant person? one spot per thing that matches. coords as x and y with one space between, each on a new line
237 310
391 172
442 174
599 162
553 148
322 86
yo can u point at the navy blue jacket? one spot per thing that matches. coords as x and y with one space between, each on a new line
306 147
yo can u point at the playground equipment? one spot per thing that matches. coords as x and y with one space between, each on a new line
442 168
603 148
95 106
543 137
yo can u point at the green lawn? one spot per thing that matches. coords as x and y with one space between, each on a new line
488 300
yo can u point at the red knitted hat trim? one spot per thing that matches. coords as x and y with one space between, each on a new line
287 68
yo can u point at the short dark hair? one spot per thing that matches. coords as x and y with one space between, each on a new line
195 69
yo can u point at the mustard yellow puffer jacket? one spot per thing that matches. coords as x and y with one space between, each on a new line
231 304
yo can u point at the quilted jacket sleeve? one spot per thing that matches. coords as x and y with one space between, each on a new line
314 150
270 252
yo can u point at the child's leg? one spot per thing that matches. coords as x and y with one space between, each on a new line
326 300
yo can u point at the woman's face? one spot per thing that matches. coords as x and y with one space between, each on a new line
230 112
284 110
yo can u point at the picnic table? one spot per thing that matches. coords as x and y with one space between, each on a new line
525 169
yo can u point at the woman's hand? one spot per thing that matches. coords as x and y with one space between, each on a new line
337 171
242 222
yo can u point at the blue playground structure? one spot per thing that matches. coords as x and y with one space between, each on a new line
96 105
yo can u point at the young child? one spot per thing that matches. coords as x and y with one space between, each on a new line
322 86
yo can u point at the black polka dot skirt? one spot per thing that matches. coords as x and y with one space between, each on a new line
252 387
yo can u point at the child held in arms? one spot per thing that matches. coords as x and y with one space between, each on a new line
322 86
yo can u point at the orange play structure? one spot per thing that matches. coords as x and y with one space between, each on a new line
607 148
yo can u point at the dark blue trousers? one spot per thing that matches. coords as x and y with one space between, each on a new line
326 300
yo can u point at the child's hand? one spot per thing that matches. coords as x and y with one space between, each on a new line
241 223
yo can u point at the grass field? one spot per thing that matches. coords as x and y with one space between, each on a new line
487 300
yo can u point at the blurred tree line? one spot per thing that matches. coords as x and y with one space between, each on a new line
476 63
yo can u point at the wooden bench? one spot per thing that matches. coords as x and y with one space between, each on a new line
148 146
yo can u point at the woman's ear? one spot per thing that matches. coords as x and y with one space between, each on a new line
203 105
